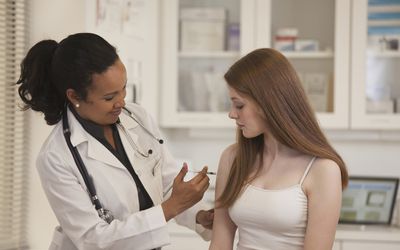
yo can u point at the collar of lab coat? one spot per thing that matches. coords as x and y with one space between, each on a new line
95 149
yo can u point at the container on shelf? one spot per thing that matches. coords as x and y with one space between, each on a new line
202 29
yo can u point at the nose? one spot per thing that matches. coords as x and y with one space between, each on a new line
120 103
232 114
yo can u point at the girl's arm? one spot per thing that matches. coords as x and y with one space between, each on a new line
223 229
323 188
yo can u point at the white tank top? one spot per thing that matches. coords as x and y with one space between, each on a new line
271 219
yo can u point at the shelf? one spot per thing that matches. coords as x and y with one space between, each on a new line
208 54
309 55
384 8
380 23
384 54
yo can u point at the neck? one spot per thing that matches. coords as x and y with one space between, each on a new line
273 148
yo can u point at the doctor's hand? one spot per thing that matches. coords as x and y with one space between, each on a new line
185 193
205 218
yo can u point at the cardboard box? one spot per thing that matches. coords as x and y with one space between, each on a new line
202 29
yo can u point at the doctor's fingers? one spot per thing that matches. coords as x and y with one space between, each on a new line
200 176
204 184
182 173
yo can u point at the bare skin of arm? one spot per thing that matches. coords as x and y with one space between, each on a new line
224 229
323 188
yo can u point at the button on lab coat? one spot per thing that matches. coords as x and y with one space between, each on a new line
80 226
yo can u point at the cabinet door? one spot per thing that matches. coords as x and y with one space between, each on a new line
196 54
318 48
370 246
200 40
376 64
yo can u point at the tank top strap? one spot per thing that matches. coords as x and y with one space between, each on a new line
307 170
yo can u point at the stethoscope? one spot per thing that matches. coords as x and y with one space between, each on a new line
102 212
134 146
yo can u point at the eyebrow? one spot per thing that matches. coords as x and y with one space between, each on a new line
115 92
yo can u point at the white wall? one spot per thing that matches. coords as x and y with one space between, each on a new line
364 152
48 19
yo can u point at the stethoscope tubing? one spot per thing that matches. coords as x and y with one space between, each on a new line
82 168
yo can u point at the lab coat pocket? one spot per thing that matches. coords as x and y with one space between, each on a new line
152 179
157 179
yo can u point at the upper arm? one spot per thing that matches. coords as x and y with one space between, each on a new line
223 228
324 190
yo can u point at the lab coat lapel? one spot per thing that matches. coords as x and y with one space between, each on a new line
129 124
95 149
99 152
139 163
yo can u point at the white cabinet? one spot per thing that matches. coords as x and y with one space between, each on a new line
375 64
198 45
192 85
370 246
324 71
348 237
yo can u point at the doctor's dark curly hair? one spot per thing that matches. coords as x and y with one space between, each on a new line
50 68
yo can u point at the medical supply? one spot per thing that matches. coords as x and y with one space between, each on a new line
202 29
233 41
285 39
306 45
209 172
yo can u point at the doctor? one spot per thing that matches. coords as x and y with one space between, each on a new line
104 168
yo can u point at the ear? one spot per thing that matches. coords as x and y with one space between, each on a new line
72 96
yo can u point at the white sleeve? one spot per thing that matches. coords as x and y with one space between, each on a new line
79 220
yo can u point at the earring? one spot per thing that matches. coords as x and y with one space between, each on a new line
77 105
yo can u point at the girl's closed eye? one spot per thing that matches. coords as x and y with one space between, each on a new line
239 106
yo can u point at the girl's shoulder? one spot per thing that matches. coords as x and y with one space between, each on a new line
226 159
323 172
229 153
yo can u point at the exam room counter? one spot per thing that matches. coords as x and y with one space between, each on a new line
361 237
348 237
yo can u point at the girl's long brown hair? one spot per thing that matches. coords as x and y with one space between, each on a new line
268 78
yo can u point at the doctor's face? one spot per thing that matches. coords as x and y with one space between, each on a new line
105 98
247 114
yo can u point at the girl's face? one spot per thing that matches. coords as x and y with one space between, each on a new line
105 98
247 114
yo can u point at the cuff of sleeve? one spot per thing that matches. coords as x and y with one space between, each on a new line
203 232
156 219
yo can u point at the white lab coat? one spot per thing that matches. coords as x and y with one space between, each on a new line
80 226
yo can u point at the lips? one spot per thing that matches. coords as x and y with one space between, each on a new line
116 112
